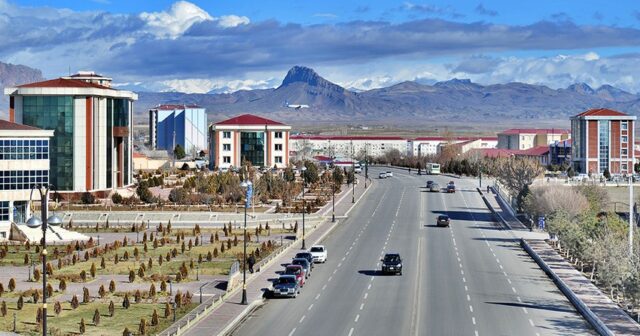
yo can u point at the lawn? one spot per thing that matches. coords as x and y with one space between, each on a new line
68 322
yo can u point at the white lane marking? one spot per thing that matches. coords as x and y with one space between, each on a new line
331 277
324 287
459 259
525 310
501 267
357 318
464 279
509 281
497 260
339 264
343 258
505 273
462 272
311 306
466 289
302 318
471 308
513 289
519 299
531 323
334 271
361 306
350 332
292 331
347 253
473 320
460 265
317 296
369 287
476 332
486 241
366 295
468 297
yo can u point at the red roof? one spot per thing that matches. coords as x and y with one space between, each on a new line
535 151
342 137
64 83
460 138
601 112
495 152
536 131
138 155
248 119
6 125
174 107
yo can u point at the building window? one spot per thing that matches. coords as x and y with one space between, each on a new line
624 126
226 135
278 159
277 135
604 145
252 147
623 138
623 167
226 147
278 147
21 149
4 211
22 179
623 151
226 159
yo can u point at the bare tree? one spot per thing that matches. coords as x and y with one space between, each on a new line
546 200
516 174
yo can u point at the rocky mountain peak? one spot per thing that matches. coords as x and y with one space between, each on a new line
303 74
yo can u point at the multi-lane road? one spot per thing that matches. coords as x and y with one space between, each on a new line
469 279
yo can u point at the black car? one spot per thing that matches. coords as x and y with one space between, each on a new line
306 255
286 285
443 220
392 263
304 263
429 184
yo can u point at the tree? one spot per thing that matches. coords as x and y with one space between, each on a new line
338 177
179 152
20 303
607 174
125 302
311 174
142 328
112 286
178 195
167 309
289 175
92 270
85 295
152 291
36 275
3 309
102 292
154 318
12 284
126 332
96 317
132 276
112 308
516 174
74 302
82 326
57 308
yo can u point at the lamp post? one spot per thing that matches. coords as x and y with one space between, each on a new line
43 222
631 222
333 200
304 204
353 173
366 166
247 202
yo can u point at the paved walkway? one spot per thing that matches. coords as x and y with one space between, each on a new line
607 311
229 311
503 210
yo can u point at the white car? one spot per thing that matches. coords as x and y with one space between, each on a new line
382 175
389 174
358 170
319 253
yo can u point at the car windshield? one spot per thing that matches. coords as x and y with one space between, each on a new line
287 280
317 249
443 217
392 258
299 262
292 270
302 255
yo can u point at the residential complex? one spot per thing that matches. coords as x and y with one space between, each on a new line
306 146
263 142
92 146
603 141
425 146
526 138
24 163
184 125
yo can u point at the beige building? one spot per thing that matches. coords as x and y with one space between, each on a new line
526 138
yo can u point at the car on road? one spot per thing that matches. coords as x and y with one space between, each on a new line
306 255
358 170
389 174
443 220
382 175
304 263
319 253
392 263
451 188
286 285
297 271
429 184
434 187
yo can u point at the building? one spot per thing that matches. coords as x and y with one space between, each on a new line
263 142
525 138
603 140
425 146
307 146
184 125
24 163
560 153
92 146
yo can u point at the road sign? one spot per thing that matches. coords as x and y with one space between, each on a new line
249 195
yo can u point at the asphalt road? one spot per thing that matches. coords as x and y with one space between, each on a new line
469 279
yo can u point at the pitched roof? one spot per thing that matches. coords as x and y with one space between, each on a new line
6 125
536 131
343 137
175 107
535 151
458 138
248 119
64 83
601 112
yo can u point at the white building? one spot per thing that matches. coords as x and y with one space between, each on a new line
424 146
24 163
263 142
92 147
526 138
307 146
184 125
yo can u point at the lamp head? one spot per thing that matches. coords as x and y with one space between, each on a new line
34 222
54 220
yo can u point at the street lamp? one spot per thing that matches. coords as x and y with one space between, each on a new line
353 173
247 186
333 201
366 166
304 204
43 223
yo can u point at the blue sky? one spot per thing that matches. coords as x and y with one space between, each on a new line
225 45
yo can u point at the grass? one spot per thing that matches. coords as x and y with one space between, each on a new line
68 322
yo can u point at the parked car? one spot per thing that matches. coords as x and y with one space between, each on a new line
286 285
443 220
434 187
296 270
319 253
382 175
429 184
306 255
304 263
358 170
392 263
389 174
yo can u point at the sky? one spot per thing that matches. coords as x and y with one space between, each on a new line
203 46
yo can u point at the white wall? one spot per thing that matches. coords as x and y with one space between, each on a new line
79 144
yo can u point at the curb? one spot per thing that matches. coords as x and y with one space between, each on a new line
236 321
583 309
493 211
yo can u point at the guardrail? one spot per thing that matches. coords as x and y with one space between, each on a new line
493 211
580 306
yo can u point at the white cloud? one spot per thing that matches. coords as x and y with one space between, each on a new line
215 85
174 22
229 21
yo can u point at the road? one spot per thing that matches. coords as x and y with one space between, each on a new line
469 279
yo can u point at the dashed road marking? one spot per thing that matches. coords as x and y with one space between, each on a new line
302 318
361 306
350 332
292 331
531 323
357 318
311 306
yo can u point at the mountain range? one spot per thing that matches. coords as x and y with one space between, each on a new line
406 103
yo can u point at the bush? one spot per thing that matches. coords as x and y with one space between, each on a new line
20 303
142 328
132 276
74 302
125 302
96 317
12 284
82 326
116 198
112 309
87 198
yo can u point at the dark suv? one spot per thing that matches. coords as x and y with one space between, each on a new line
392 263
443 220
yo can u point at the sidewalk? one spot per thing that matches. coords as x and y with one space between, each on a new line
231 311
503 210
606 310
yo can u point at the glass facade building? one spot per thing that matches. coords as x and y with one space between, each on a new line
184 125
252 148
